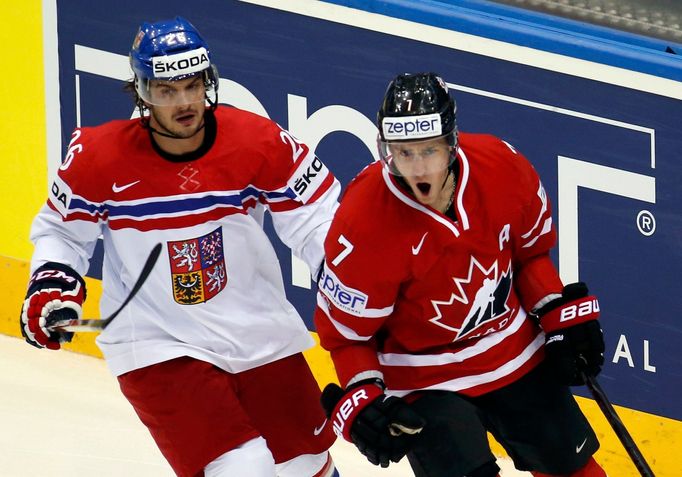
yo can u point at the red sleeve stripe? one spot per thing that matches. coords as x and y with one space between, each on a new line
81 215
283 206
85 217
287 193
324 187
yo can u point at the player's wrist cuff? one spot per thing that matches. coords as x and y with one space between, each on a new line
350 405
60 276
571 313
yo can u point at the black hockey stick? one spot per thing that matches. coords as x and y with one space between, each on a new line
93 324
618 426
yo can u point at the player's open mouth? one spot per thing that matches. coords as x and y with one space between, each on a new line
424 187
185 119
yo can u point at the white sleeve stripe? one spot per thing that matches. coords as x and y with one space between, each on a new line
511 148
483 345
377 312
369 374
367 312
543 199
343 330
467 382
546 228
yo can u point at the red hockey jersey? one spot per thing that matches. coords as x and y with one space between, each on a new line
433 303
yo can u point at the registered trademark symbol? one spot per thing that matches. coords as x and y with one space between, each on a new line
646 223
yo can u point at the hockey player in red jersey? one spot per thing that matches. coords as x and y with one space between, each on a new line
209 351
442 310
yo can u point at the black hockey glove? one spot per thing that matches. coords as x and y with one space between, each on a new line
382 428
574 341
55 292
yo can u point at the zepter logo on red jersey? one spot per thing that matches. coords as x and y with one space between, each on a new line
483 294
343 297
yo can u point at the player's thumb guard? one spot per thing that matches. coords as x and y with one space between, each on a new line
404 420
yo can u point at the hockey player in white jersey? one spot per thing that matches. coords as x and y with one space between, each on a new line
209 352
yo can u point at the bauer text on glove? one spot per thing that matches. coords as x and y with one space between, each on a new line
382 428
574 342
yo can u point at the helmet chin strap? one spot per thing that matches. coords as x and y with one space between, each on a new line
451 167
442 186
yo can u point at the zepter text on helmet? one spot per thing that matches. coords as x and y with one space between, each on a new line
405 128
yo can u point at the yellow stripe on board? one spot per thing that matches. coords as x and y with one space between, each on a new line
23 164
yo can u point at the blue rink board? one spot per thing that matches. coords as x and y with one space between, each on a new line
536 30
274 54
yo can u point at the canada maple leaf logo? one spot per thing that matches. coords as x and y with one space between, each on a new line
490 290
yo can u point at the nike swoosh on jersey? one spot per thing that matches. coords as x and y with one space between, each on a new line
318 430
415 250
116 188
580 447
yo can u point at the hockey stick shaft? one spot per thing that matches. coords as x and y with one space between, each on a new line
618 426
89 324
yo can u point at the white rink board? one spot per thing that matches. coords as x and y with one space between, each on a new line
62 415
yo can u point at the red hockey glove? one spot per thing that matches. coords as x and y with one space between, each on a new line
55 292
574 341
382 428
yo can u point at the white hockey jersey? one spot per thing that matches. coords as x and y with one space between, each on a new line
216 293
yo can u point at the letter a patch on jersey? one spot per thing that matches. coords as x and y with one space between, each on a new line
197 268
